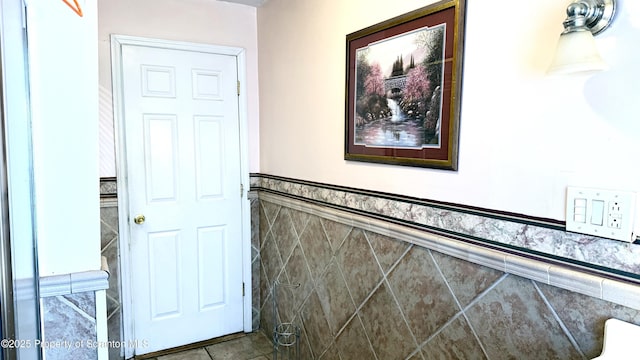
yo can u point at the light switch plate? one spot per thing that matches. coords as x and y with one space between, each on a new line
604 213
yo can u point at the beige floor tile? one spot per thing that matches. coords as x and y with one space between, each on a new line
252 346
255 346
197 354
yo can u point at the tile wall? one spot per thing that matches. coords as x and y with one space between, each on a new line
69 330
110 250
364 295
368 294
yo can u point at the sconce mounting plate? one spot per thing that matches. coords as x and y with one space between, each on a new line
600 15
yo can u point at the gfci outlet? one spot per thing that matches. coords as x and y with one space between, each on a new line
599 212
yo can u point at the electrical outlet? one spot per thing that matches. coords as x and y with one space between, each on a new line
616 212
614 222
604 213
614 207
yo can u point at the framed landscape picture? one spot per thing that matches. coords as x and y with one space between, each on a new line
403 86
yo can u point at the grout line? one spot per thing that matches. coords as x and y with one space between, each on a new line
275 215
283 291
473 303
106 224
115 239
285 257
306 264
444 278
375 256
76 308
340 241
414 353
475 335
397 262
375 288
355 316
388 285
208 353
263 274
369 295
441 329
263 239
306 223
281 266
559 320
355 312
404 318
269 223
485 292
455 298
366 335
303 331
462 310
117 308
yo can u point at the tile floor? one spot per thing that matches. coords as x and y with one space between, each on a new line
254 346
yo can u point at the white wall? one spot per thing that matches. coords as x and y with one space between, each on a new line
524 136
199 21
63 61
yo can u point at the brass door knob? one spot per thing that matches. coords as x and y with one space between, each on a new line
139 219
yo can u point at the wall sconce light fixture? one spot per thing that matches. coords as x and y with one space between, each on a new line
576 51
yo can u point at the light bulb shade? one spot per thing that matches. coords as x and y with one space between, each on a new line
577 53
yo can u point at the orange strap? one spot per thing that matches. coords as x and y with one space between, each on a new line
75 6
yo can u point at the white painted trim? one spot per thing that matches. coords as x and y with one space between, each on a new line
564 277
102 330
117 41
243 118
123 197
120 40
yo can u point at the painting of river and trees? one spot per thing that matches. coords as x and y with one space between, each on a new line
398 94
402 88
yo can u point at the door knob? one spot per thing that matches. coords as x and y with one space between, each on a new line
139 219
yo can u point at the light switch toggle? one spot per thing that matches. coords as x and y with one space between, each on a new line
580 210
597 212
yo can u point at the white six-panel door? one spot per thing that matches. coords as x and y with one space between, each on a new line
183 167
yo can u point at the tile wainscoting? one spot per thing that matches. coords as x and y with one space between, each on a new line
73 310
386 277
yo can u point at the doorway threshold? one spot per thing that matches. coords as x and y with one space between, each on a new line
197 345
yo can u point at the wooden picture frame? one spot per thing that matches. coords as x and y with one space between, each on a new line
403 84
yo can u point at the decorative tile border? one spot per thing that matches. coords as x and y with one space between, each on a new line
569 277
108 188
510 233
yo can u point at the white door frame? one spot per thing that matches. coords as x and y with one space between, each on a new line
117 41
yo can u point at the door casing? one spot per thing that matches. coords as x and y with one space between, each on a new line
117 41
